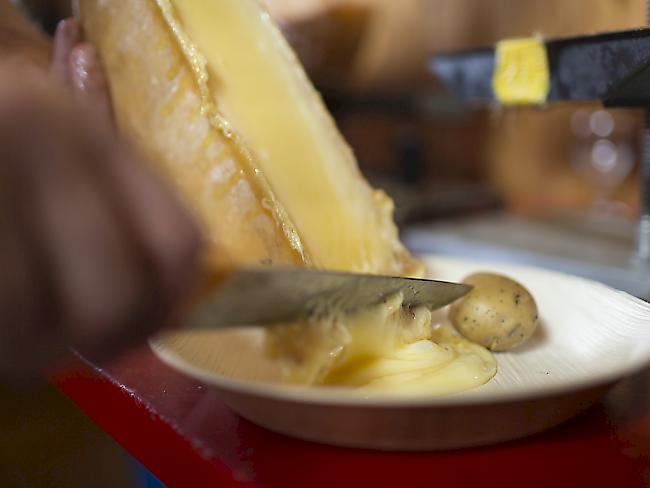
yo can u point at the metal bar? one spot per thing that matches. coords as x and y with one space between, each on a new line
613 68
581 68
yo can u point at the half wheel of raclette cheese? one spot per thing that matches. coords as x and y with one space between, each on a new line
213 94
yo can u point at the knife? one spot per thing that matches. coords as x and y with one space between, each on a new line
270 295
612 67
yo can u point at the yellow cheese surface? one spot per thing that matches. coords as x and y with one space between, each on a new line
255 91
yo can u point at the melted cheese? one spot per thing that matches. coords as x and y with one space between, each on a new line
383 348
265 96
441 365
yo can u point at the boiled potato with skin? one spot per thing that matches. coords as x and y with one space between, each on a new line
498 313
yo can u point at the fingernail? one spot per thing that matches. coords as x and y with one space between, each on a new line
67 35
67 31
84 64
88 80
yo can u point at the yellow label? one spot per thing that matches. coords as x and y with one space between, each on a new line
521 74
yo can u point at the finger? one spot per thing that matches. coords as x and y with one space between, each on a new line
27 344
166 232
100 292
101 288
88 80
67 36
111 285
103 291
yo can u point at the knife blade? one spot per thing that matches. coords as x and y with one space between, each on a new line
271 295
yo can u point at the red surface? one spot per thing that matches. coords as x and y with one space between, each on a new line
187 437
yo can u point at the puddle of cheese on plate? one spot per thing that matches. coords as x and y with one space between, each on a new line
384 348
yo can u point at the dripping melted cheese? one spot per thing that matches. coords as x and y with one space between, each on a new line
383 348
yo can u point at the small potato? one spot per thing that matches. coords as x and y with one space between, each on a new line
498 313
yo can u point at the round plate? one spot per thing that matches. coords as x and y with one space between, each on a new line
590 337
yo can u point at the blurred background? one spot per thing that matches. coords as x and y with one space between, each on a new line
556 186
369 57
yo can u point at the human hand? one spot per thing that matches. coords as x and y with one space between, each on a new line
75 65
96 252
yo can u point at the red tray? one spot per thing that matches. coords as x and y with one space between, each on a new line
185 435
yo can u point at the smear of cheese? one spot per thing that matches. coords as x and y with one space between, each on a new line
382 348
441 365
521 75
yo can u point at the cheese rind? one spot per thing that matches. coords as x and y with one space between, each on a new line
157 104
